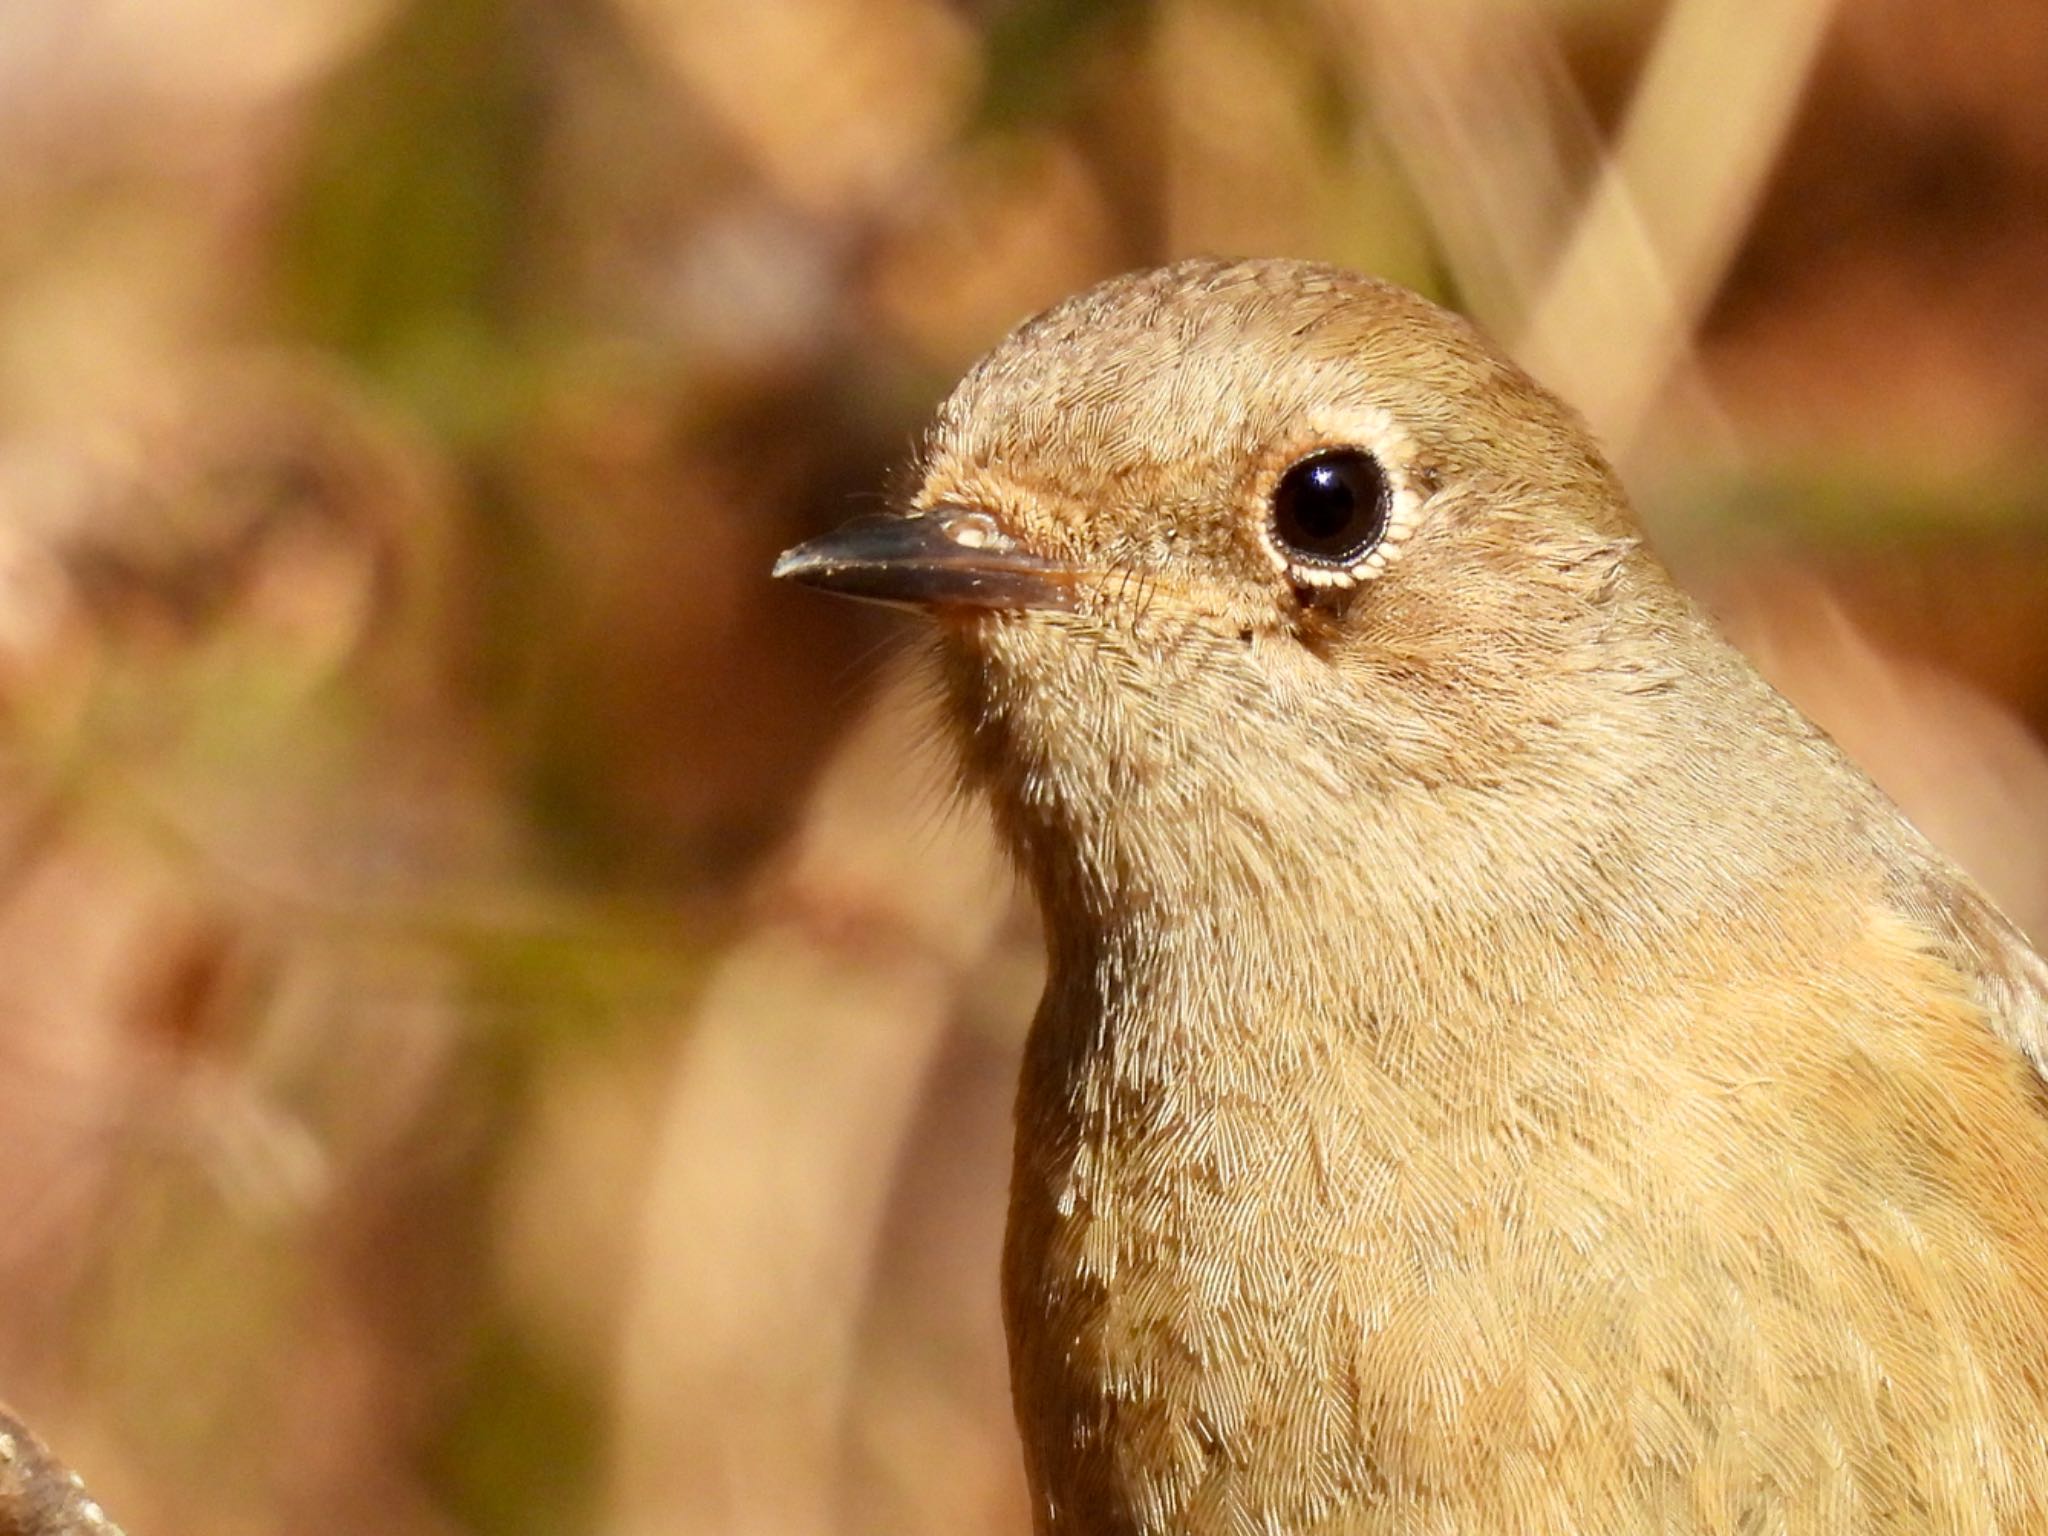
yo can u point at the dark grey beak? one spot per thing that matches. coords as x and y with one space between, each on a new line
944 558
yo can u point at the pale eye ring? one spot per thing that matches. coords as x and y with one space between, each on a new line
1331 509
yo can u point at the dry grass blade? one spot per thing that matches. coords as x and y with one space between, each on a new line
1482 114
792 1094
1619 310
1496 141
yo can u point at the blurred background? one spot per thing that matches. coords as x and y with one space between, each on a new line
503 1028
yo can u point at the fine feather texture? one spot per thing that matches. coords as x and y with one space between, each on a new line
1501 1068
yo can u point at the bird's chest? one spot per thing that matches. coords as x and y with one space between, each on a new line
1220 1288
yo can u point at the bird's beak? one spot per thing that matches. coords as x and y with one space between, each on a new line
948 557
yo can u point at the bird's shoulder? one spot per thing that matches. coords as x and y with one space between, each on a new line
2005 975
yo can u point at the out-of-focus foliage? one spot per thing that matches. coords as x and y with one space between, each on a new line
504 1029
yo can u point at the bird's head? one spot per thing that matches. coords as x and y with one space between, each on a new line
1231 556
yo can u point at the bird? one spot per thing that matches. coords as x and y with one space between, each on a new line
1501 1068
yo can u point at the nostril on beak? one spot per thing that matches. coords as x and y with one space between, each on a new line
974 530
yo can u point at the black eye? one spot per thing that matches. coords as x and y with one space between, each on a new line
1332 507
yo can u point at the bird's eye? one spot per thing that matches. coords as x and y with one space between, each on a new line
1332 507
